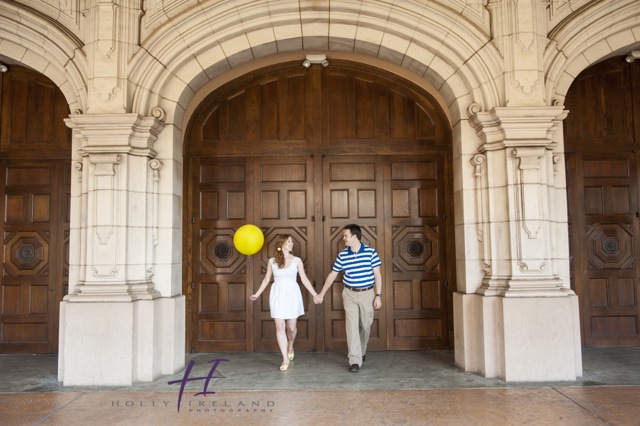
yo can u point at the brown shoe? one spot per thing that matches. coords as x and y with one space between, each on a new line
354 368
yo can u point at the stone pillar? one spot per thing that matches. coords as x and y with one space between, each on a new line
115 327
520 321
525 318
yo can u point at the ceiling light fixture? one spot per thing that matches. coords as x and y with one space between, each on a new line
632 56
315 59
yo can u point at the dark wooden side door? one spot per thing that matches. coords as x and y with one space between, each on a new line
415 228
602 134
305 152
34 201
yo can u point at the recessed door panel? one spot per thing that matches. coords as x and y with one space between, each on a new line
417 293
222 276
284 198
34 254
353 193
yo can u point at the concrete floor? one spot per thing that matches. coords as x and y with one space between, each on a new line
391 388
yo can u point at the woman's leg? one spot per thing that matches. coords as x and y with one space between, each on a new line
281 337
292 331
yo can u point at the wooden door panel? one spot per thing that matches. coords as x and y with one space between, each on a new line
277 193
353 193
417 301
601 140
223 274
34 260
610 199
284 200
414 313
607 271
371 107
600 105
33 110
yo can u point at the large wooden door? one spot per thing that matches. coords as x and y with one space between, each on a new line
353 192
276 193
285 204
305 152
398 201
34 201
602 135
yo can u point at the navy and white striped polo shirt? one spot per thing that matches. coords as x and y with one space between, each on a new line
357 267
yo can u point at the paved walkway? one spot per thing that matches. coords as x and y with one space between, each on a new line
412 388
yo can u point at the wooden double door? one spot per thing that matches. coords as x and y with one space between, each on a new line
309 178
397 201
602 140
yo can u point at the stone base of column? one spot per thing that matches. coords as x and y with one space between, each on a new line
519 287
120 343
518 338
113 292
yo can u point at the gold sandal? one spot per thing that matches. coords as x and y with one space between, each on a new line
284 367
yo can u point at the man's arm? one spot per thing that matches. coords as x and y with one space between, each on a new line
377 301
327 283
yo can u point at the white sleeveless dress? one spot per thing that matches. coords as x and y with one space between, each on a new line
285 300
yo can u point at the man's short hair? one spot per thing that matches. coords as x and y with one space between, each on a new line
355 230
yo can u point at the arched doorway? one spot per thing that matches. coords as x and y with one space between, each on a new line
602 137
35 152
305 152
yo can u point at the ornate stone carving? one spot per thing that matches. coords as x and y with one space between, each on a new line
479 164
527 181
154 166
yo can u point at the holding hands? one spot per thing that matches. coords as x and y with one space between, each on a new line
318 298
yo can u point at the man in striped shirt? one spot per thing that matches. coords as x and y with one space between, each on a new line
361 266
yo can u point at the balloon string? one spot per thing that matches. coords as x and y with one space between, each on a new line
249 261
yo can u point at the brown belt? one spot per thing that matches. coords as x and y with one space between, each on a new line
358 289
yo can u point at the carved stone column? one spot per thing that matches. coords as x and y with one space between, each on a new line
116 328
515 221
522 321
119 173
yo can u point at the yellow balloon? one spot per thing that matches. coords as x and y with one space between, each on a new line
248 239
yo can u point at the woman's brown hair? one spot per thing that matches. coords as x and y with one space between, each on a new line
279 253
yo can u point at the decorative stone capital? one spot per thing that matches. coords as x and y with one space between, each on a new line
516 127
116 133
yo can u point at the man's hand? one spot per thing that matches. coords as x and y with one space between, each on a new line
377 303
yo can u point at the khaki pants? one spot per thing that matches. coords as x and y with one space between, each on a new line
358 311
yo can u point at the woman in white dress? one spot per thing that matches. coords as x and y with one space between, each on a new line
285 301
